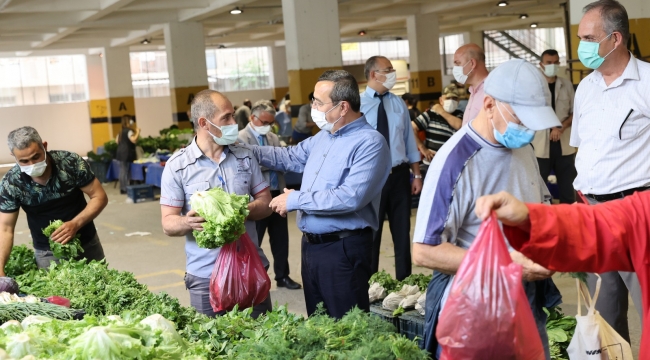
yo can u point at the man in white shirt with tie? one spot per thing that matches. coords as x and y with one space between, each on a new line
258 132
611 127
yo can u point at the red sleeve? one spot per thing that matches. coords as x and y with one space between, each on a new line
580 237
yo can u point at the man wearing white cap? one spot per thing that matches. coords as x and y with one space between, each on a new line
490 155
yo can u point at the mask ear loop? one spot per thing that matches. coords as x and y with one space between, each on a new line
604 40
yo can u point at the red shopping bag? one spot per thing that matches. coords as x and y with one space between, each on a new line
487 314
238 277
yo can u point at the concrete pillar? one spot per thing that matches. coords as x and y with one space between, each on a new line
638 12
424 57
473 37
279 76
111 92
185 46
313 44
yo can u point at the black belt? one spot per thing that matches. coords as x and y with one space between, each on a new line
400 167
616 195
334 236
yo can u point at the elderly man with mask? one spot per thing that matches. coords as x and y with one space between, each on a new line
491 154
611 128
344 167
387 113
208 162
48 186
469 68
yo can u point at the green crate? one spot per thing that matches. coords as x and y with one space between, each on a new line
385 315
411 325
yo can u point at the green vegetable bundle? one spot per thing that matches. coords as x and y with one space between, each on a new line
21 260
420 280
100 290
385 280
224 216
560 329
70 250
20 310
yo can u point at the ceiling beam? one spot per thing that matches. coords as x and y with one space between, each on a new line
136 36
49 39
215 7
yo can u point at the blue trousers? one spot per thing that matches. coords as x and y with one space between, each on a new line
337 274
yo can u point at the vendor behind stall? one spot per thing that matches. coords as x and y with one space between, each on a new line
49 185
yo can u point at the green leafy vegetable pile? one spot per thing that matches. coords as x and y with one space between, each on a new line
224 216
20 310
70 250
21 260
99 290
385 280
420 280
560 329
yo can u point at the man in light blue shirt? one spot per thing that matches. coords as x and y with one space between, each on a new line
344 168
387 113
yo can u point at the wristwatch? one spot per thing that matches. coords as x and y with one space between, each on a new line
417 176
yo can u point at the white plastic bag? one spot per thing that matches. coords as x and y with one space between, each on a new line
409 301
594 338
376 292
392 301
420 304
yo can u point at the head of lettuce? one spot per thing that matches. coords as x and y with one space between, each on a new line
224 216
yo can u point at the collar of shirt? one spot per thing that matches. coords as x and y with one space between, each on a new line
250 128
631 72
473 89
195 152
371 92
350 128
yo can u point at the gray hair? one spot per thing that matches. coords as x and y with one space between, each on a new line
261 106
345 87
203 107
614 16
22 137
370 65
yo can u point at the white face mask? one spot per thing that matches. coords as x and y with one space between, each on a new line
391 79
229 134
262 130
320 119
450 105
459 75
550 70
35 170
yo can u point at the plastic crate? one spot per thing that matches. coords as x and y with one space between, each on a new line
411 325
99 169
140 193
385 315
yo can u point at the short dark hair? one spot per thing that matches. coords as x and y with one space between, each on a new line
370 65
345 87
614 16
409 98
550 52
203 107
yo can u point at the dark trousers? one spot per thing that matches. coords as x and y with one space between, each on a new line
396 202
125 169
565 171
200 298
337 274
278 238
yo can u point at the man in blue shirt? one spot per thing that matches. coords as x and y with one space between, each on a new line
344 168
387 113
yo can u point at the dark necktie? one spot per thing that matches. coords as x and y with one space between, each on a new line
382 118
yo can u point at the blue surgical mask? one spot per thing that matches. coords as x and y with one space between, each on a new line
229 134
516 136
588 53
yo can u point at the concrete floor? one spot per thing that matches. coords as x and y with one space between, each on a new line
159 261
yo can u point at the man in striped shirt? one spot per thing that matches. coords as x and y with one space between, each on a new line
440 122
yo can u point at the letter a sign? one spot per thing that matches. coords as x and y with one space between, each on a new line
122 106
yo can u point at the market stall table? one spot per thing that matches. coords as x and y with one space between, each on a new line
154 174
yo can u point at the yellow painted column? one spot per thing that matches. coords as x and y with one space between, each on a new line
426 77
181 102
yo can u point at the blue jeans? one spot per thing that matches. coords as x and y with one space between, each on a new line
200 297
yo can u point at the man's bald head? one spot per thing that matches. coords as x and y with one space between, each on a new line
471 51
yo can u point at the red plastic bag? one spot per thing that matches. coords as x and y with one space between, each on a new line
238 277
57 300
487 314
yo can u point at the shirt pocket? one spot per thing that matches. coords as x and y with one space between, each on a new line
624 127
192 188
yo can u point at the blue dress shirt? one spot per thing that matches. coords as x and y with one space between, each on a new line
403 148
343 176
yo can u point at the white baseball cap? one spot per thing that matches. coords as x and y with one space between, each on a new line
521 85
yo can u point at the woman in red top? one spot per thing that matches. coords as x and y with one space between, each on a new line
612 236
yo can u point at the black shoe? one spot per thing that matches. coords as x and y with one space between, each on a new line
122 192
288 283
